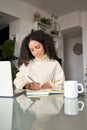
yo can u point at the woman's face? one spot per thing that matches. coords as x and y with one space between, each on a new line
36 49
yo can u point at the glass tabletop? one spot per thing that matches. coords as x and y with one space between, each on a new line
43 113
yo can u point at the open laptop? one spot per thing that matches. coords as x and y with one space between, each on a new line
6 84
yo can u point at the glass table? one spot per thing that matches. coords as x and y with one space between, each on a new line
43 113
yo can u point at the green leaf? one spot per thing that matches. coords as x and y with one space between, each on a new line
7 49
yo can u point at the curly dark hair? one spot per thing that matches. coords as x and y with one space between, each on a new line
45 39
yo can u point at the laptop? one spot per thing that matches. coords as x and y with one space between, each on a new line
6 84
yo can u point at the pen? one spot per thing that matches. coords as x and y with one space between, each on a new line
30 78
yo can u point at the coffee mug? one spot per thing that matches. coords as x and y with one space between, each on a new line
71 88
72 106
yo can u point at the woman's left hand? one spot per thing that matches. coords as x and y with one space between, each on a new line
46 85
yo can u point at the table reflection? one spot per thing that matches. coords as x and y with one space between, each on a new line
72 106
43 113
6 113
42 108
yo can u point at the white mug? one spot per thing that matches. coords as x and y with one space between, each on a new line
72 106
71 88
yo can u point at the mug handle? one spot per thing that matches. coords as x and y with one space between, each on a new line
82 105
82 88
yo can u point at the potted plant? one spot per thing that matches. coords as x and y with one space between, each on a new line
7 53
46 21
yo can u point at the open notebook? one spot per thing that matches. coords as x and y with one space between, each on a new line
43 92
6 85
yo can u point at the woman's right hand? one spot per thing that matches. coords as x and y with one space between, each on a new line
33 86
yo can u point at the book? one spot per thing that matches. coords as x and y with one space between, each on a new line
33 93
55 91
43 92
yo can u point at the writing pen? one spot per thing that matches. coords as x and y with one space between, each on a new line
31 78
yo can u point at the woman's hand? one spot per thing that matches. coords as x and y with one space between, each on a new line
46 85
33 86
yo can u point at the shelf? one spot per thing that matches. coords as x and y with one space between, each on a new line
48 29
53 35
44 25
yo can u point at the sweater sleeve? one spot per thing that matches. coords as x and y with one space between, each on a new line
20 79
59 77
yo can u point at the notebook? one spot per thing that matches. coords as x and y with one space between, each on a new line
32 93
43 92
55 91
6 84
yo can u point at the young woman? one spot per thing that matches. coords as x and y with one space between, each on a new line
38 60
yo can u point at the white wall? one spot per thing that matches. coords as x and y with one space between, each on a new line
19 28
60 49
70 20
73 64
84 32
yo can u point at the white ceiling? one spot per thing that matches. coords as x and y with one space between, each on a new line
59 7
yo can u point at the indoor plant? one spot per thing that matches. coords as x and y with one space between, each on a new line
7 54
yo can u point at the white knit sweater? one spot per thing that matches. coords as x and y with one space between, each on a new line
41 70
